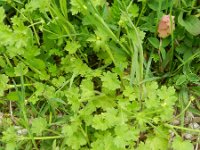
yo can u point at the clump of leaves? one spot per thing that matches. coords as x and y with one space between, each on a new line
120 119
79 74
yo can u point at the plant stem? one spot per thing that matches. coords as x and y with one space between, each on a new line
42 138
181 128
85 135
18 85
184 110
172 36
141 13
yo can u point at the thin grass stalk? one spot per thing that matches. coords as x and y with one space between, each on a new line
21 96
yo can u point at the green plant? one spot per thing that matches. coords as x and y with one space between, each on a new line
82 74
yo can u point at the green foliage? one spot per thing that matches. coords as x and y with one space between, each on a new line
110 81
120 119
3 83
154 143
20 69
178 144
191 24
72 47
81 74
10 138
38 125
77 6
74 137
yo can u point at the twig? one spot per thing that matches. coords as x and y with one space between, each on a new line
197 145
11 111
